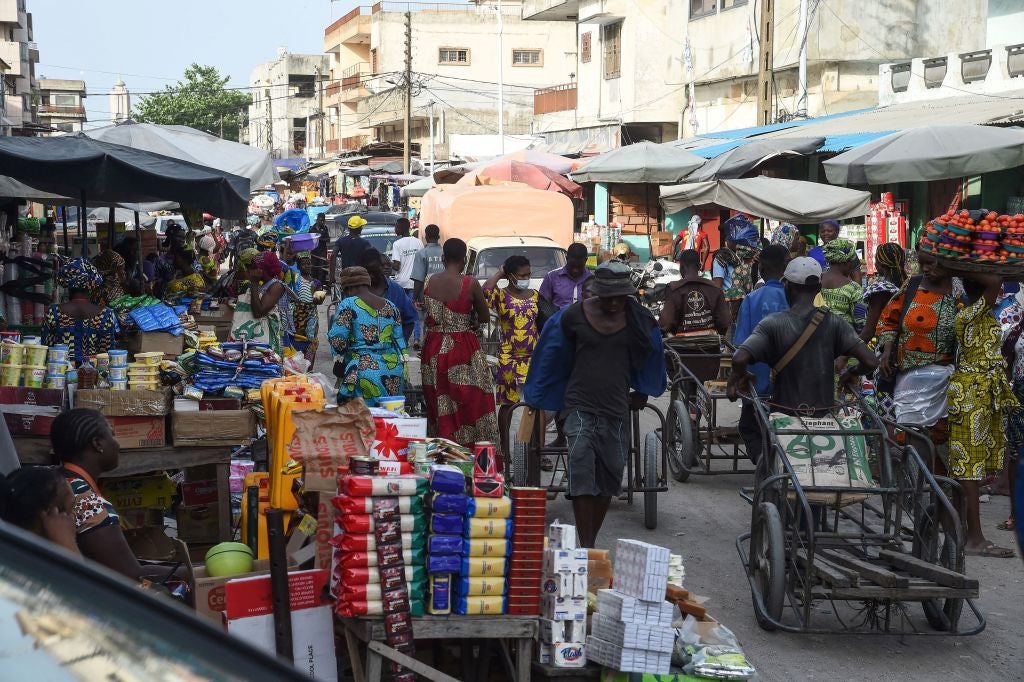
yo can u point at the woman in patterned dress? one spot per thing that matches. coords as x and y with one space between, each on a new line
843 295
86 328
367 340
890 276
980 398
457 384
517 308
112 268
309 293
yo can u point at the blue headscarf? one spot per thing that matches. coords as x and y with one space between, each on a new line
743 232
80 275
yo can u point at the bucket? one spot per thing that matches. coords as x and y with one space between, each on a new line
118 384
31 340
57 354
118 358
35 355
56 369
393 403
54 381
153 358
102 362
117 373
10 375
12 353
34 375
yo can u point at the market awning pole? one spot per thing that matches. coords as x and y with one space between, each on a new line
83 227
64 224
138 248
110 228
279 584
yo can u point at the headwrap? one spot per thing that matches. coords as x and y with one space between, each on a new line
253 220
268 264
612 279
267 240
892 257
173 227
742 231
832 222
208 243
840 251
80 275
246 258
786 235
303 254
354 277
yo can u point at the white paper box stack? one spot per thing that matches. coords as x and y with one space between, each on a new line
641 570
628 609
563 599
633 635
627 660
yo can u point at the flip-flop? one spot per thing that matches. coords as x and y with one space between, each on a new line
991 551
1008 524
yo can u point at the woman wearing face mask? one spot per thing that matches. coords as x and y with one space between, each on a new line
517 308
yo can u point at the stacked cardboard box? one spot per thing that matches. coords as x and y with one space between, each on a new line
563 600
631 631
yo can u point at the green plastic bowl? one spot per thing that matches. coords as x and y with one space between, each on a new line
228 558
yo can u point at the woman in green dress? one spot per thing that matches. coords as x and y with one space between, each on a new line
367 340
843 294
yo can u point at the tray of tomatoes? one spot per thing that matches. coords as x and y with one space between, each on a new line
978 241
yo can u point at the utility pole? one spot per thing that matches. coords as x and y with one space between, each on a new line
501 79
766 63
430 106
270 123
801 103
407 118
320 110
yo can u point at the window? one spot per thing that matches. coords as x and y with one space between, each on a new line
302 85
702 8
373 60
585 47
729 4
453 55
527 58
65 100
611 39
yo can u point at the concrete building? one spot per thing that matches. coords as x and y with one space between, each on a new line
120 102
19 51
285 99
627 79
658 71
456 54
62 104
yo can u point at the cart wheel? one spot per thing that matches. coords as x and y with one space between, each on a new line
768 563
652 455
518 463
682 443
939 548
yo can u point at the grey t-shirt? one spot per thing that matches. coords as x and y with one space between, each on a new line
428 262
808 380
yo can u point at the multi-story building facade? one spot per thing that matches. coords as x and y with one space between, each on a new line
658 71
19 51
286 99
456 53
62 104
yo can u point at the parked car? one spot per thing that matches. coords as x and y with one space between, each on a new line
65 618
337 223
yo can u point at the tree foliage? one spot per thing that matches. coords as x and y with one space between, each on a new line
200 101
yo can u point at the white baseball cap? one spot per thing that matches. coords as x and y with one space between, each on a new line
799 270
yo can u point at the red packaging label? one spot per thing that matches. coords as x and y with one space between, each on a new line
389 555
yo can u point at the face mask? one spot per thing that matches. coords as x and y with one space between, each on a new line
523 284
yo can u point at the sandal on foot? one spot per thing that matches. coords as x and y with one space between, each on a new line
1008 524
991 551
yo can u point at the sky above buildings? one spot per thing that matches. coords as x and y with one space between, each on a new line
150 43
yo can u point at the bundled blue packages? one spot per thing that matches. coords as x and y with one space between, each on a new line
447 479
449 503
445 544
444 563
156 317
446 524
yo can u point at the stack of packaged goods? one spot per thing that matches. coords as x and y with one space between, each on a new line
447 503
378 564
632 629
527 558
564 600
482 586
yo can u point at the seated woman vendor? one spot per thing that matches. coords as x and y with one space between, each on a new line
85 448
86 328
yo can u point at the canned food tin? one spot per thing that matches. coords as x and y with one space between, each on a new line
363 466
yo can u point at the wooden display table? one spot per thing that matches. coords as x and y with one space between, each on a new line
36 451
370 632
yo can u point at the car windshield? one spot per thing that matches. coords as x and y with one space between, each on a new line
543 259
382 242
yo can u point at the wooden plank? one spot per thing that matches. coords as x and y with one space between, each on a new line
827 571
913 593
868 571
446 627
132 462
923 569
411 663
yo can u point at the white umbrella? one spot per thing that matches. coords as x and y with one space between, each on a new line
639 163
792 201
418 188
929 153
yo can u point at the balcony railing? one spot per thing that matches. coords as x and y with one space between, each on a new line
356 11
62 111
355 142
351 78
557 98
333 89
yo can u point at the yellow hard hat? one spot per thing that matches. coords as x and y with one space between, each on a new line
356 222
